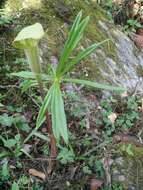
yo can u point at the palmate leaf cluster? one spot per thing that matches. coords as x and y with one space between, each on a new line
53 101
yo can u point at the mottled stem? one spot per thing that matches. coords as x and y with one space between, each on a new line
32 55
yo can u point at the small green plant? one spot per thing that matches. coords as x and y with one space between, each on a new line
127 114
5 171
3 19
131 26
127 148
13 145
15 186
129 117
66 156
17 121
115 186
86 170
28 40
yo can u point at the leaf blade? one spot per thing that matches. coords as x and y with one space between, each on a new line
83 55
31 75
59 123
45 104
75 36
96 85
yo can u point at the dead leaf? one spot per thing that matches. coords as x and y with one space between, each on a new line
112 117
124 94
95 184
135 10
12 167
37 173
127 139
27 148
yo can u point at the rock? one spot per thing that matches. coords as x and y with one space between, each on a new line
118 178
121 178
119 161
128 170
138 39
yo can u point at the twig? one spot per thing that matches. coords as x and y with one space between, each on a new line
8 86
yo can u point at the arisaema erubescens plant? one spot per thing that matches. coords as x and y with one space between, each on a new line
28 40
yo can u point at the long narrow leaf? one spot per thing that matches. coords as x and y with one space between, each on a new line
55 127
72 31
95 85
43 108
74 40
59 123
30 75
85 53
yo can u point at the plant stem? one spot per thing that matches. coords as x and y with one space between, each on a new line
49 127
32 55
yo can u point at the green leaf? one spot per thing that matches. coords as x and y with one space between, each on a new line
66 156
21 123
59 124
41 136
71 33
26 84
30 35
74 38
15 186
4 154
10 143
95 85
83 55
45 104
24 74
129 150
17 137
6 120
26 153
31 75
1 105
5 170
41 115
